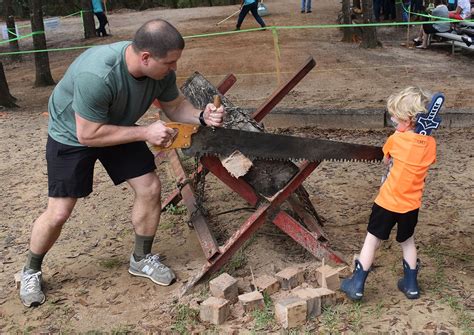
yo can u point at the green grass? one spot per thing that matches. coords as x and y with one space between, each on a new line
355 316
185 317
111 263
441 255
464 319
167 225
239 260
331 319
438 280
175 210
343 316
440 284
376 311
122 330
264 318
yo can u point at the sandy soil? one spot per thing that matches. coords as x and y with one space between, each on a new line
87 283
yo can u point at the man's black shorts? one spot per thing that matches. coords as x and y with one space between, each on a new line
381 223
71 168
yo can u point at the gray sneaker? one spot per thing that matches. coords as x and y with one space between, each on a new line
151 267
30 288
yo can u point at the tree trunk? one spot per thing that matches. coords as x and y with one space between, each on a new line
43 72
6 99
346 19
369 34
10 22
88 19
399 11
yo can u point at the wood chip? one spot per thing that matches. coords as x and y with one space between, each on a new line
237 164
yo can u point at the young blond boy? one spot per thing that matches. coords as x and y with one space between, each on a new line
399 199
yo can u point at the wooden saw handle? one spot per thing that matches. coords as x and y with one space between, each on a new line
182 138
184 132
217 101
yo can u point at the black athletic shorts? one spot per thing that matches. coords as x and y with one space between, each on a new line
71 168
381 223
429 29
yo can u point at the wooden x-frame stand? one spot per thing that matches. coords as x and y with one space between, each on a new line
309 235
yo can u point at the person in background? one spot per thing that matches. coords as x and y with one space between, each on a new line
389 10
377 4
462 11
98 7
409 156
440 11
306 6
93 113
452 4
247 6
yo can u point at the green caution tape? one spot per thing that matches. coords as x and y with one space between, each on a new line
272 28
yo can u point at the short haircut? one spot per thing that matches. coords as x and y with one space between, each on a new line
408 103
439 2
157 37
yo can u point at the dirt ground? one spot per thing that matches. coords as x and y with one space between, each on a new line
87 284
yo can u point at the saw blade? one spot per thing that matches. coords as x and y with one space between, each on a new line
224 141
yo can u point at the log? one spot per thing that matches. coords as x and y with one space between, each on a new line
266 177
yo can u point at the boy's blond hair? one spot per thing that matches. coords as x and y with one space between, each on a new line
406 104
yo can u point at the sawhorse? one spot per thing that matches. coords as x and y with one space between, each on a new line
310 237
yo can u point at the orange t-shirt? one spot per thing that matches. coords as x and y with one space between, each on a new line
412 154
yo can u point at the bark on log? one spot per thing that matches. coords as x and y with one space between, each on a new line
266 177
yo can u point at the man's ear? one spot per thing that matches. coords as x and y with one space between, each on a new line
145 57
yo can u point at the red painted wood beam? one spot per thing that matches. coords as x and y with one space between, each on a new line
283 90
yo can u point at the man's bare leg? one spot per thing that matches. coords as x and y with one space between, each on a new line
45 232
147 204
48 226
145 219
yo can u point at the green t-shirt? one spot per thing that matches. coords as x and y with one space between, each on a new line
99 88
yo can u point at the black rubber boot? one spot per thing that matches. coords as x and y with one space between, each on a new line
409 283
354 285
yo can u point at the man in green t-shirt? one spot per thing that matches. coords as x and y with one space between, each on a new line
92 116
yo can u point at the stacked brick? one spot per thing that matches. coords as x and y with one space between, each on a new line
295 301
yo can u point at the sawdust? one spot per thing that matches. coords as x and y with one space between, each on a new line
87 283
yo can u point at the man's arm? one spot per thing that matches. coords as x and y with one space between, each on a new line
95 134
181 110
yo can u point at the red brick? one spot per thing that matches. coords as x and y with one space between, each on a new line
291 312
252 301
290 277
267 284
328 297
224 286
313 300
214 310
